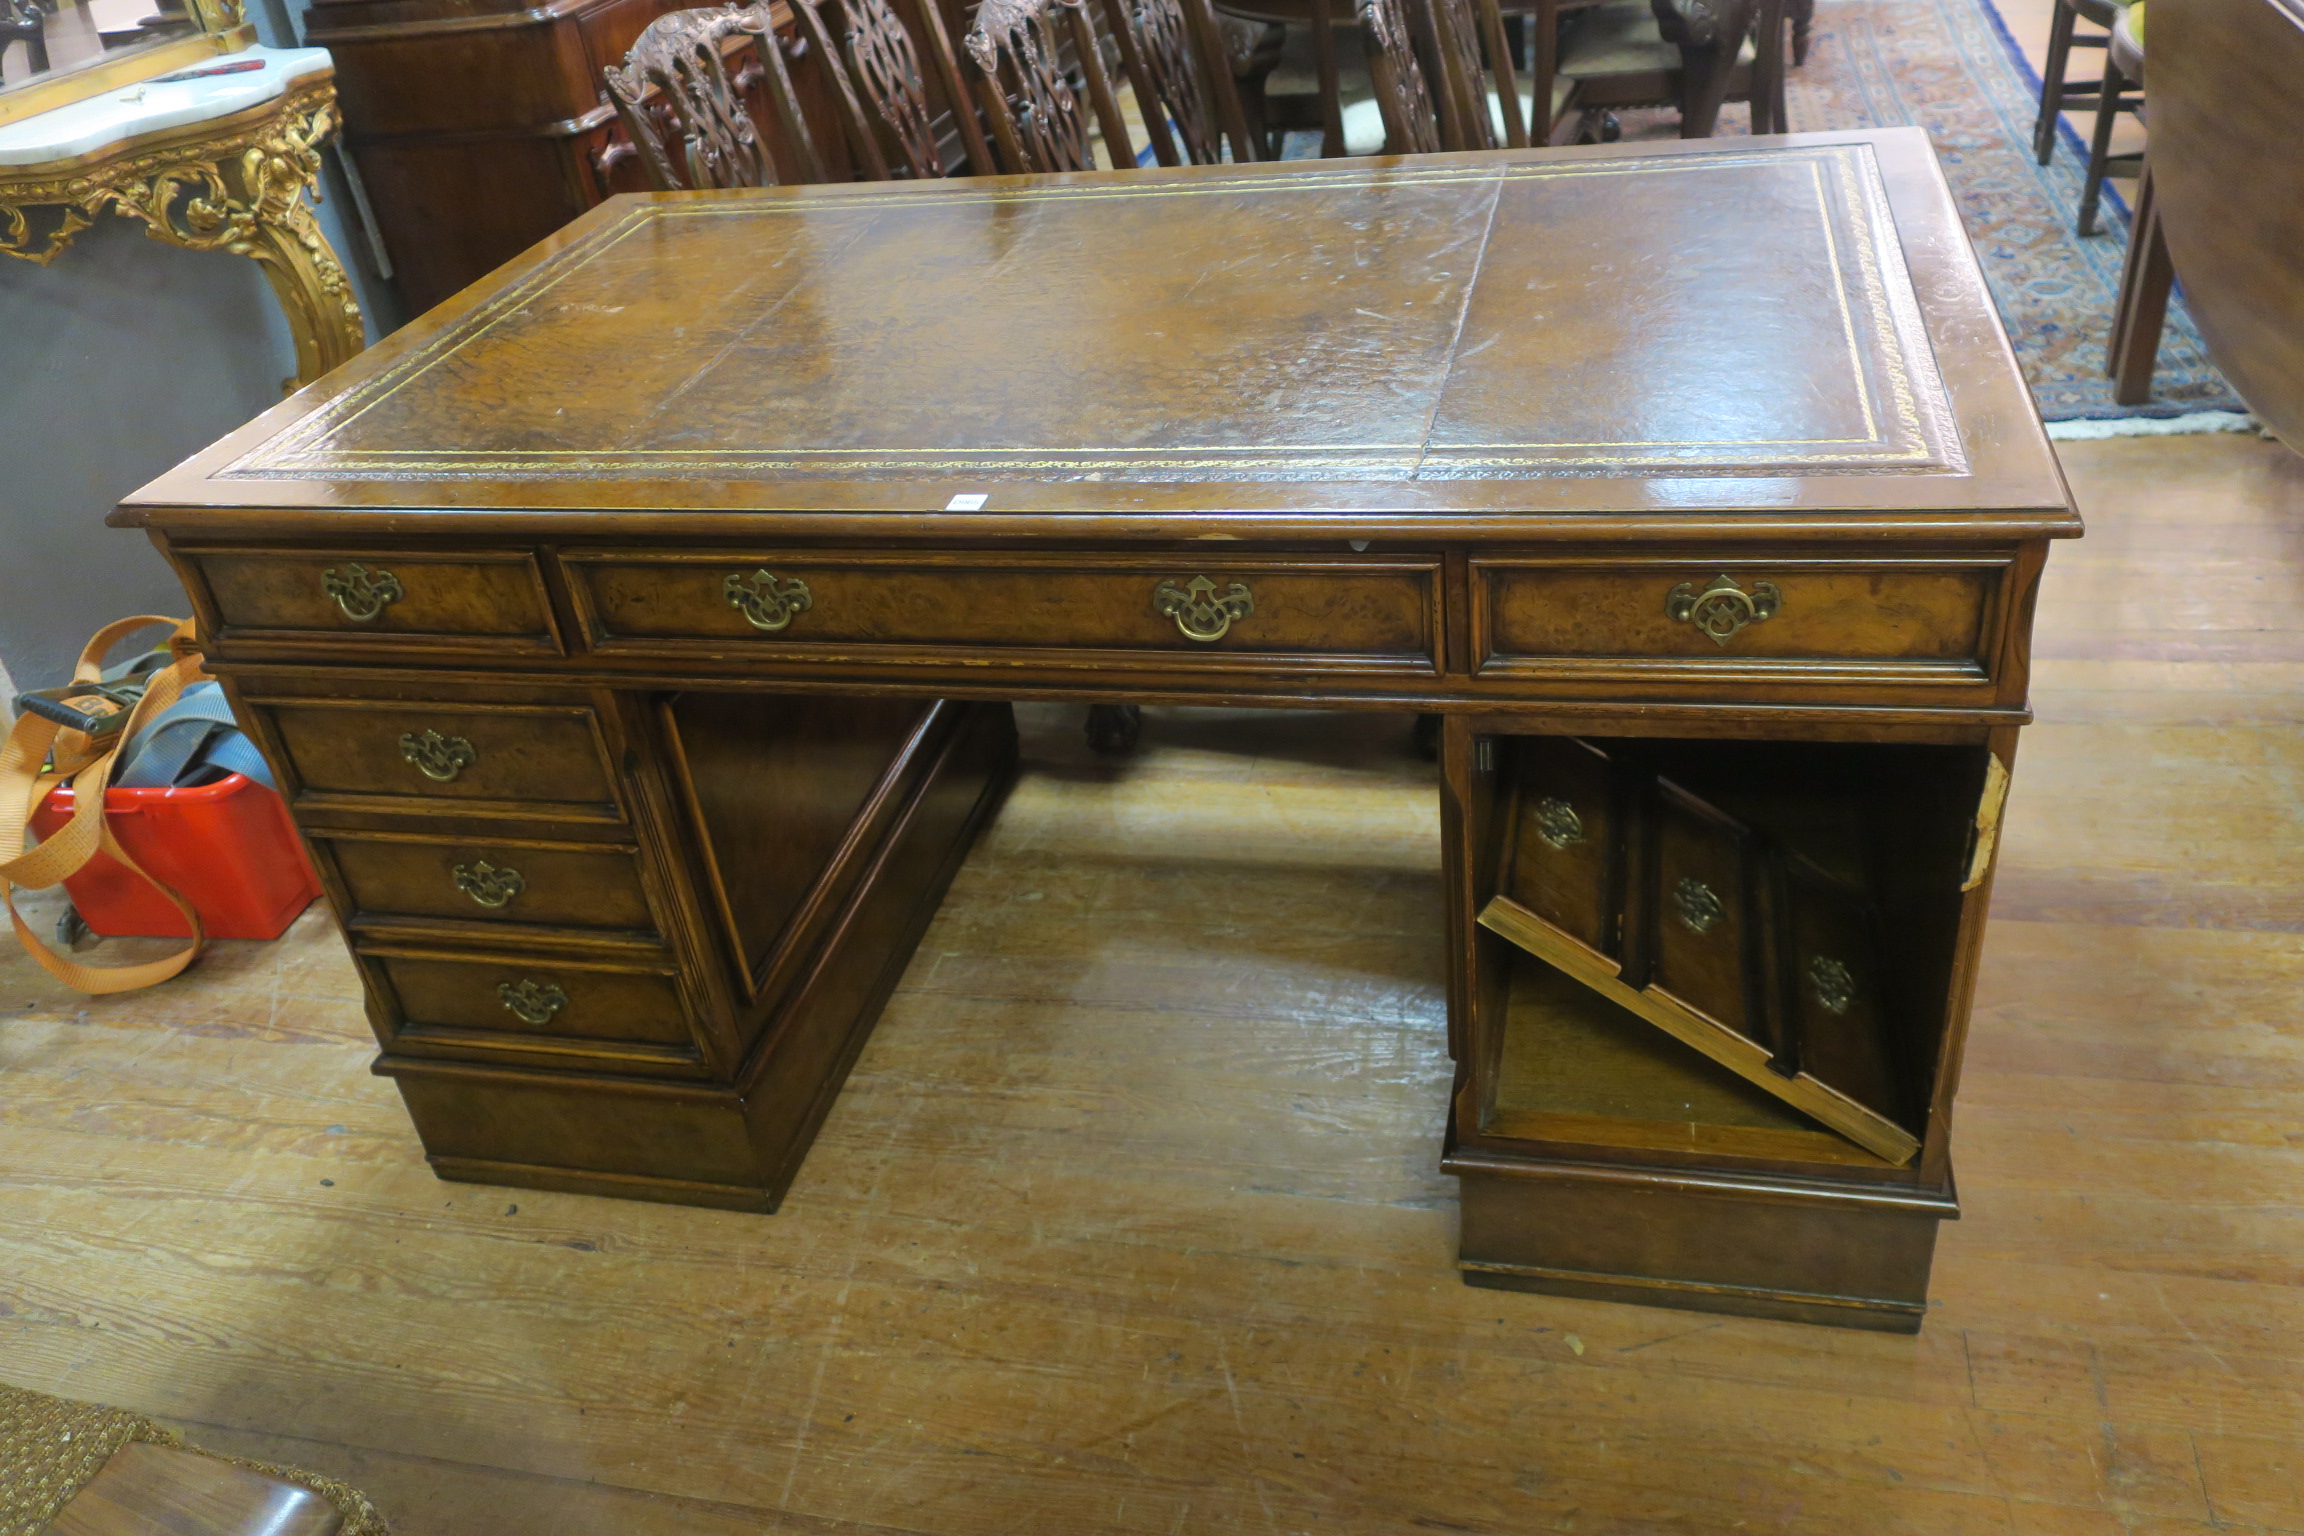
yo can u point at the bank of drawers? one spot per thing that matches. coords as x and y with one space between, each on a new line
1645 619
481 934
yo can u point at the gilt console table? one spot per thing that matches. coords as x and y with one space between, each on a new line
217 157
631 637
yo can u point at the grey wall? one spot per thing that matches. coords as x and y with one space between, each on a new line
120 359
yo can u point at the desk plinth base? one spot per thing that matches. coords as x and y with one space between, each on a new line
730 1146
1667 1240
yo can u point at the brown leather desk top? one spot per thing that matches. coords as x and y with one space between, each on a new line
1785 336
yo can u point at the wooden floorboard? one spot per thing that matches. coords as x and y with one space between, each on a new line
1130 1220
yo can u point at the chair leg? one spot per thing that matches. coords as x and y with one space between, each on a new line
1802 15
1114 728
1765 93
2145 281
1425 737
2100 144
1331 82
2052 82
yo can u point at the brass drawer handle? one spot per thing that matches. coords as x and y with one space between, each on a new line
488 885
1835 984
765 602
1557 822
1723 608
1199 613
1696 907
361 593
438 757
531 1003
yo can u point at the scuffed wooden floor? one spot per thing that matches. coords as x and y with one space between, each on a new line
1129 1219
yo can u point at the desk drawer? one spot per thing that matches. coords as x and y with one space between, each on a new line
548 885
393 755
1226 610
510 1006
1749 616
483 600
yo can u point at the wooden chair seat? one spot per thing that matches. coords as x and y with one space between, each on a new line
1621 37
1292 90
1618 55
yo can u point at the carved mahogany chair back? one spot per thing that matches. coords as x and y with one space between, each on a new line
1403 92
1018 46
1462 31
685 116
876 74
1181 72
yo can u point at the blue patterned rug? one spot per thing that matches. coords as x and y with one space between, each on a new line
1949 66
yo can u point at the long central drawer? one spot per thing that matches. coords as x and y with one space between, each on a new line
1211 612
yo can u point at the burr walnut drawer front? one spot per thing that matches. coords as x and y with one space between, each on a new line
1750 615
480 600
542 760
511 1005
548 885
1226 610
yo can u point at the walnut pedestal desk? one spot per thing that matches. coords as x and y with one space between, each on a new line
632 637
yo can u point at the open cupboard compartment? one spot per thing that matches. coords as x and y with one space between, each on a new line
1710 1005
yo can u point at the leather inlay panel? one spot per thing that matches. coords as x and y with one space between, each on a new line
1394 351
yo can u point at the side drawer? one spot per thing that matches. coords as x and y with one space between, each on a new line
528 1007
388 754
1752 616
1216 612
481 600
536 885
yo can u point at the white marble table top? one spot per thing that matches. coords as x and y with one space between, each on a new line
85 127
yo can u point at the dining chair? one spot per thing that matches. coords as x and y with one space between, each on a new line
1403 92
882 93
1622 54
1179 68
2058 95
2147 276
26 22
1035 112
684 116
1480 103
2121 90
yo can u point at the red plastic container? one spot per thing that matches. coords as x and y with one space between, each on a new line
228 848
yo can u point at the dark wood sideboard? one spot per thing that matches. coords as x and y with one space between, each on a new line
632 638
481 126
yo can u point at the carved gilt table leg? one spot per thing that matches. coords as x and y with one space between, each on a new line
235 184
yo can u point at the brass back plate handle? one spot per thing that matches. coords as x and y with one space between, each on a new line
1723 608
1199 613
438 757
361 594
765 602
531 1003
487 884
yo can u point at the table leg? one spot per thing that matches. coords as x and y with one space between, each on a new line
244 193
236 184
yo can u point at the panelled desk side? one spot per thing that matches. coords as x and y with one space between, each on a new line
661 538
